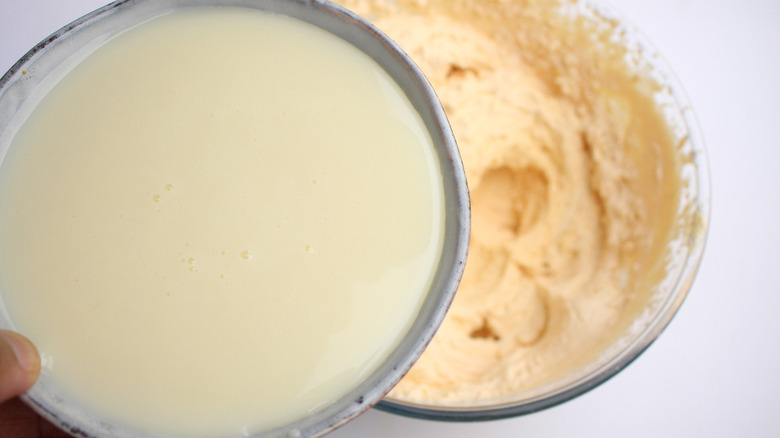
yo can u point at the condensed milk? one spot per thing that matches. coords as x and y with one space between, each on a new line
218 222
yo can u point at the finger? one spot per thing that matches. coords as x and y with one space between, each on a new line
20 364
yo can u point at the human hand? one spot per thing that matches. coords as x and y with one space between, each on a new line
20 366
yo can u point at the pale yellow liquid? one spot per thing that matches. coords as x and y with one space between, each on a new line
219 222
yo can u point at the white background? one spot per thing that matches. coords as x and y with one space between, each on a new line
715 371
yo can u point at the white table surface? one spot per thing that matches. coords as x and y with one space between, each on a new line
715 371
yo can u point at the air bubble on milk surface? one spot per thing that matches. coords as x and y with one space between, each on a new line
246 255
47 361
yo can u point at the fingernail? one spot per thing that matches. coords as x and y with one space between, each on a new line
24 351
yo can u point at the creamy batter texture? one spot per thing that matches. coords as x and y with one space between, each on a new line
573 184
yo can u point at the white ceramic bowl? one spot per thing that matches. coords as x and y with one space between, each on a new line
91 30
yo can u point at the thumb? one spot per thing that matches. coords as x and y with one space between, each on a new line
20 364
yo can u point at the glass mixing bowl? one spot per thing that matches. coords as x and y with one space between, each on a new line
682 256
